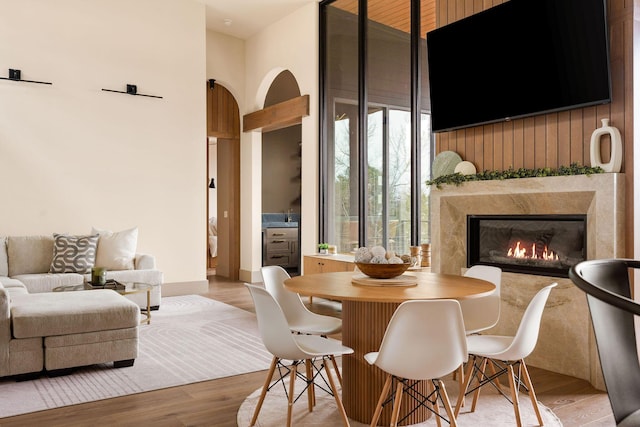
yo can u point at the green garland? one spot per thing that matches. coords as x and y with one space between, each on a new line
457 178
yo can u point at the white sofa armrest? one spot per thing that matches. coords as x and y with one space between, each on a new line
144 262
5 330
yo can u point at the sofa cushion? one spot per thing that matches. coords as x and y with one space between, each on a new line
29 254
36 283
73 254
116 250
4 260
64 313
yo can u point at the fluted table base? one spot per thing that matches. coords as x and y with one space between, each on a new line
363 326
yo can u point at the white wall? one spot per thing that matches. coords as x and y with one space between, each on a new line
226 64
73 156
291 44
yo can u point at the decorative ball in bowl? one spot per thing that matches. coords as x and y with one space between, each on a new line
382 271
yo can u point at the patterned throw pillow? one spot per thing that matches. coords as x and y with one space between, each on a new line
73 254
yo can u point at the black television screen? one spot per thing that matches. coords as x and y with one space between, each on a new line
520 58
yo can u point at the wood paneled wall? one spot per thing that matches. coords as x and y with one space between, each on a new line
558 138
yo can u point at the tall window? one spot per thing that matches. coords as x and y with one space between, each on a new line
373 185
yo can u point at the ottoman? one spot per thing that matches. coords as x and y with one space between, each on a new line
79 328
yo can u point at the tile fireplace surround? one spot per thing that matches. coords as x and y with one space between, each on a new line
566 344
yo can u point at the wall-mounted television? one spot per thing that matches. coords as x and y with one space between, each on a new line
517 59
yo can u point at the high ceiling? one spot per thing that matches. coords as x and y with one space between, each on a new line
244 18
395 13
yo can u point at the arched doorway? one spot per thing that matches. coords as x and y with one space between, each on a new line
223 228
281 180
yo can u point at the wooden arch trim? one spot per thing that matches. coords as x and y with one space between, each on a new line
278 116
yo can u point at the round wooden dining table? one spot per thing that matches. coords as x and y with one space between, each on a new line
366 311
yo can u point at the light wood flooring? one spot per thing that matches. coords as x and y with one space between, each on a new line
215 403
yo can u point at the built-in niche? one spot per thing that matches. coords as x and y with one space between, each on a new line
281 154
281 182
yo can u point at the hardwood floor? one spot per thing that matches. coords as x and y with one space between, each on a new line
215 403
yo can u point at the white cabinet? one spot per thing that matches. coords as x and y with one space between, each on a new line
281 247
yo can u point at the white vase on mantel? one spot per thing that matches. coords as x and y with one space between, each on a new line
615 163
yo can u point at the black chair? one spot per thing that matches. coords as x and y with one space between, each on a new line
606 283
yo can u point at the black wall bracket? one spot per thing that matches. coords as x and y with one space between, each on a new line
16 76
132 90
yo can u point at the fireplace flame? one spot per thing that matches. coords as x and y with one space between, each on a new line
521 252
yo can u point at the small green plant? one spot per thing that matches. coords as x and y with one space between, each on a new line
322 246
457 178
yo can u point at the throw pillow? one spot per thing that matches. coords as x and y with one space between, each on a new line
73 254
116 250
29 254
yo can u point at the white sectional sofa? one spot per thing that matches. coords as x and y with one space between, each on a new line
29 261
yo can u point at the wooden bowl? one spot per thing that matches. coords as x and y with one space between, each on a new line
382 271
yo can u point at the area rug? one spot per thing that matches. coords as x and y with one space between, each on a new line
492 410
190 339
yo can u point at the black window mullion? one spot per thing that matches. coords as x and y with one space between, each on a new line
363 123
323 108
385 177
416 108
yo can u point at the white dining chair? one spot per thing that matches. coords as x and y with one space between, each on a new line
483 313
300 318
507 354
412 351
284 345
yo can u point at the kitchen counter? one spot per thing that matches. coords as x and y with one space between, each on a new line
279 224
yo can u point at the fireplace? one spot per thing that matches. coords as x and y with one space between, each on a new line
565 324
546 245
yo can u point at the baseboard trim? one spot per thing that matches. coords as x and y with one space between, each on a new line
250 276
185 288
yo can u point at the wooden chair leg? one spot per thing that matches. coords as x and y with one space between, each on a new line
345 420
292 383
431 388
514 395
461 380
311 394
467 380
481 377
492 372
335 366
532 393
447 404
396 405
383 396
265 387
